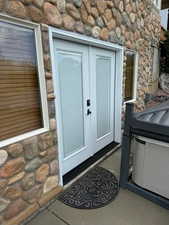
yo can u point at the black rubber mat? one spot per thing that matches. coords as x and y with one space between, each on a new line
95 189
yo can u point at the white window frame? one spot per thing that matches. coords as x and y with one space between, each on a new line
157 3
135 76
42 81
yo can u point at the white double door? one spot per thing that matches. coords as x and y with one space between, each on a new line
84 85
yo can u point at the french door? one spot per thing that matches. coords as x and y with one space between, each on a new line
84 100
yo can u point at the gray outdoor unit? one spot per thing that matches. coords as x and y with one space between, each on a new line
151 165
150 153
151 157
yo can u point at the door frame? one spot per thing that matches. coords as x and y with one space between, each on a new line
89 41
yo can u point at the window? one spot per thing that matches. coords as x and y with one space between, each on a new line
130 76
155 70
157 3
156 62
164 4
21 101
165 18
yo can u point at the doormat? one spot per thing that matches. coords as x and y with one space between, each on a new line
95 189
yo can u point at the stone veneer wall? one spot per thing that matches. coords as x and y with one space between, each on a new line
29 169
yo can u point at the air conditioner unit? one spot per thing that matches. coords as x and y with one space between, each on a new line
151 165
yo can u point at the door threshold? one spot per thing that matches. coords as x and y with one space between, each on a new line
87 164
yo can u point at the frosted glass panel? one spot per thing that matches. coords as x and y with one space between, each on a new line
103 79
71 92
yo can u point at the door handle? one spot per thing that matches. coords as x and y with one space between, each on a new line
88 102
89 112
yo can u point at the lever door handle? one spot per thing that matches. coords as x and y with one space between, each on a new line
88 112
88 102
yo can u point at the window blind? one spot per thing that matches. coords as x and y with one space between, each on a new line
20 103
129 77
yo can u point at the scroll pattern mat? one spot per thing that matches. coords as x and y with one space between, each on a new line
95 189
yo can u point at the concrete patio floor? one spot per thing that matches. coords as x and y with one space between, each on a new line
127 209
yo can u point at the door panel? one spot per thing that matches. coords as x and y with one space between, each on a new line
102 86
72 77
71 94
84 99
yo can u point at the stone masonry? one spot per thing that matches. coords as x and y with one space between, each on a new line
29 169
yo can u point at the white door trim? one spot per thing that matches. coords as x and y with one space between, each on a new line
78 38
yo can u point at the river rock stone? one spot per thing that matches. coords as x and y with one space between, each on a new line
47 63
132 17
33 165
104 34
117 15
15 150
94 12
27 2
16 8
46 141
116 3
84 14
16 178
111 24
49 85
99 22
52 123
61 5
54 2
2 4
3 204
15 208
28 181
33 194
101 6
68 22
50 184
3 184
13 192
128 9
42 173
52 15
164 82
110 4
51 154
96 31
35 13
113 37
38 3
118 32
126 19
77 3
73 11
90 20
12 167
79 27
31 148
88 6
3 156
108 14
43 154
121 6
54 167
88 30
